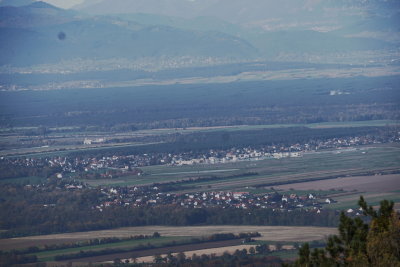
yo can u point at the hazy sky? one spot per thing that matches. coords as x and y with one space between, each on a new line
63 3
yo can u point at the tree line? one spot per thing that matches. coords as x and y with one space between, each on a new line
360 243
108 251
239 103
91 242
22 212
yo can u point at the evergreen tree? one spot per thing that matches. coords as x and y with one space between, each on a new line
359 243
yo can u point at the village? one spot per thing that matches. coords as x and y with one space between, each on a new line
147 196
109 167
152 196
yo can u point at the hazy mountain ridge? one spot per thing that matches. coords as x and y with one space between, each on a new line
238 12
34 14
31 32
251 20
101 37
15 3
270 43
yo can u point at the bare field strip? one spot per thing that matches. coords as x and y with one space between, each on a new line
149 259
356 196
165 250
285 178
216 251
270 233
376 183
207 251
56 150
196 172
282 178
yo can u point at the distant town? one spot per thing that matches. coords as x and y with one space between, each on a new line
128 165
148 196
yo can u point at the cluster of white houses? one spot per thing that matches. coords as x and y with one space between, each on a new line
231 157
120 165
138 197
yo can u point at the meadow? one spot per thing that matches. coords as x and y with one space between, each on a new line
271 172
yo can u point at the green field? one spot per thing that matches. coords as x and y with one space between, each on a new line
70 142
376 123
62 150
157 242
350 201
234 176
285 254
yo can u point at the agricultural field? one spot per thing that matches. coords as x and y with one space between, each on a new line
373 183
272 172
207 251
268 233
219 245
347 190
189 130
287 253
350 200
62 150
64 140
49 255
342 175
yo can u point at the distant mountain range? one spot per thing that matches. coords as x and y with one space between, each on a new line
348 16
249 11
30 35
15 3
33 15
34 32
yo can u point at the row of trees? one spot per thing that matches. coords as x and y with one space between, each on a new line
107 251
8 171
22 213
242 257
256 102
11 258
91 242
369 241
